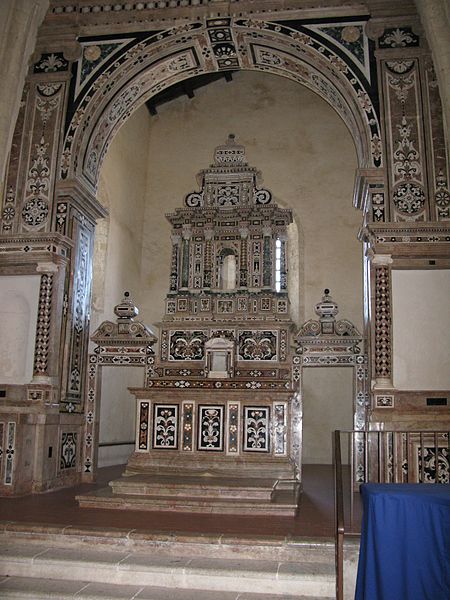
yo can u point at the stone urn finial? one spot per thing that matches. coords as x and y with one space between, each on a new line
327 309
230 153
126 310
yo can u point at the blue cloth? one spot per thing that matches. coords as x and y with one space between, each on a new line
405 542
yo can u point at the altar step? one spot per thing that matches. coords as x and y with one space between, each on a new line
246 500
201 486
46 568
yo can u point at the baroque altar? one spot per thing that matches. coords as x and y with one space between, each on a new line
218 419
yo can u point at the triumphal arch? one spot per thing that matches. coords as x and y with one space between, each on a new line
95 63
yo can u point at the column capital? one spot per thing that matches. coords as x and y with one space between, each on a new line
384 260
46 267
187 231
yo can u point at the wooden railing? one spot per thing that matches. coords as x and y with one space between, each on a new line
381 457
339 516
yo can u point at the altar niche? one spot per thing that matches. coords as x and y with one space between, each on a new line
215 418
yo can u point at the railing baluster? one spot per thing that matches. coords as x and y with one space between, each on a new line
366 456
339 516
422 461
379 449
408 458
436 454
352 436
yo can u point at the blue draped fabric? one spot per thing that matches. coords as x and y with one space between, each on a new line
405 542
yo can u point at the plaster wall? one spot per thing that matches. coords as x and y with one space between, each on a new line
307 159
421 325
117 413
117 266
327 405
19 300
118 240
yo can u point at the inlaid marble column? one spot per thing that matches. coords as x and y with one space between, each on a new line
243 267
176 239
382 320
207 265
185 258
283 264
45 324
267 257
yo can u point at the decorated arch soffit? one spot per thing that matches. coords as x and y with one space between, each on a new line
116 75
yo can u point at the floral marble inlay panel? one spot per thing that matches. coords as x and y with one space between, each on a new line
210 427
187 345
68 455
165 426
256 428
257 345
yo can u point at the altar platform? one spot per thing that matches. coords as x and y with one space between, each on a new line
50 547
59 512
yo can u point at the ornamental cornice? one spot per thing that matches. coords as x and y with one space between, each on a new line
432 232
102 13
38 242
222 384
83 196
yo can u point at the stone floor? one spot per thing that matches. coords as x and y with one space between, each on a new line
315 518
52 548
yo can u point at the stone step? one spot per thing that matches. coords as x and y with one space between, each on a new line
282 503
97 564
32 588
191 487
281 548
